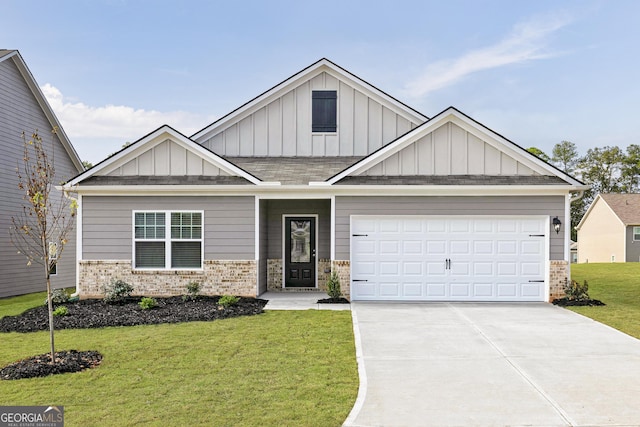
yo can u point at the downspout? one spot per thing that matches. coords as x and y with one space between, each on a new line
77 201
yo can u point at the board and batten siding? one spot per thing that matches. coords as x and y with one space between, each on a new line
20 112
447 206
449 150
167 159
282 128
107 228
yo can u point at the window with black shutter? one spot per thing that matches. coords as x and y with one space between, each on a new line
324 111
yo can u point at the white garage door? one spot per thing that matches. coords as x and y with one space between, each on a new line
448 259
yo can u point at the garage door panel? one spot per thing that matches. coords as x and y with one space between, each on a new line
412 268
460 290
460 259
506 290
436 290
483 290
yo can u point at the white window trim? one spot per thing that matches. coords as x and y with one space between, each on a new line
633 233
167 240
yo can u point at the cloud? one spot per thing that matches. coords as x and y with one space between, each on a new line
527 42
98 131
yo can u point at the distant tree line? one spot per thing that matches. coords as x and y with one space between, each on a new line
606 170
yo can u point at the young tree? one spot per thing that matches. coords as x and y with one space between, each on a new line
565 156
41 228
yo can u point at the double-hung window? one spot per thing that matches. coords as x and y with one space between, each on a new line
636 233
168 239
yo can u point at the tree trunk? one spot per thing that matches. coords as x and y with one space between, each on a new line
50 305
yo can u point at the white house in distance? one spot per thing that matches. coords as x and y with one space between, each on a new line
325 172
23 108
610 229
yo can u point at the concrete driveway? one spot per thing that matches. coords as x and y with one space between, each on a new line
486 364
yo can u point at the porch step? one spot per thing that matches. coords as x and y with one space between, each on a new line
297 290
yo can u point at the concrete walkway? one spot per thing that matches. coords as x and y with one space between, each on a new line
299 301
534 364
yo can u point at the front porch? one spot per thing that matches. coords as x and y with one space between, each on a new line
294 245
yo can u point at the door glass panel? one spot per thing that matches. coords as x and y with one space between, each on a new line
300 241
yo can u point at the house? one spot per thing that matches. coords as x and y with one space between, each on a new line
325 172
23 108
573 247
610 229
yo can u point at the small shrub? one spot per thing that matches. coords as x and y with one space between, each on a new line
577 292
58 296
117 292
61 311
333 286
193 289
228 301
147 303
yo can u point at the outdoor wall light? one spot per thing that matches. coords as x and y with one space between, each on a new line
556 224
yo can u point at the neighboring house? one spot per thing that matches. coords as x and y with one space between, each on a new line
23 108
574 252
610 229
326 172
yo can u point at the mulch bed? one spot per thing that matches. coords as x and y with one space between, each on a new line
41 366
566 302
98 314
333 301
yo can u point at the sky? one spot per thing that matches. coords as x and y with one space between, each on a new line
537 72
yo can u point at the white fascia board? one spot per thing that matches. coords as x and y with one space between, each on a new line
323 65
304 192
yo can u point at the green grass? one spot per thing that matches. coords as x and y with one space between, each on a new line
16 305
280 368
618 286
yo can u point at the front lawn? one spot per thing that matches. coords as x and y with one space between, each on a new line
618 286
278 368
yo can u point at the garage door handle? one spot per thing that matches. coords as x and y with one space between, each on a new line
536 281
536 235
359 280
359 235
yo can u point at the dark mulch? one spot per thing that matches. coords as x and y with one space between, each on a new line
333 301
41 366
566 302
98 314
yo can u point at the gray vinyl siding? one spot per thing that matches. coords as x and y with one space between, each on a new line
229 231
401 205
633 248
20 112
277 208
283 126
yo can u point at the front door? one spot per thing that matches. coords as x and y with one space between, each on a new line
300 251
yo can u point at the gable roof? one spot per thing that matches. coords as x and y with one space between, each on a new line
322 65
454 115
14 55
625 206
159 135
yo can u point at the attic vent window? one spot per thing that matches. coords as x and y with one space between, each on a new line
324 110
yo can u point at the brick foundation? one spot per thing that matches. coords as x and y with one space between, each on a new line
557 278
343 268
274 274
219 277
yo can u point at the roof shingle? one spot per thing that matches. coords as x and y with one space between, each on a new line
625 206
